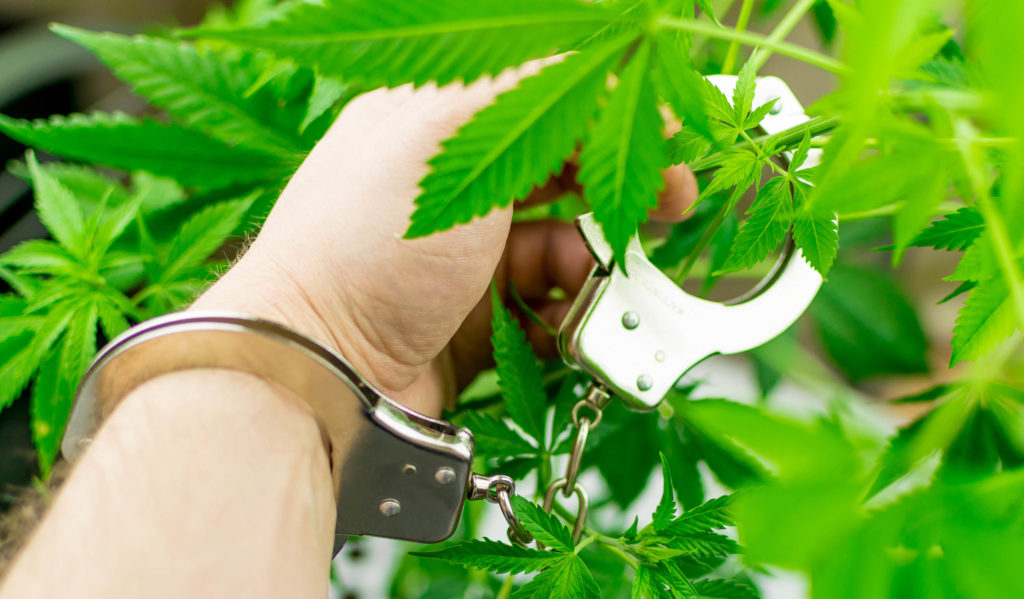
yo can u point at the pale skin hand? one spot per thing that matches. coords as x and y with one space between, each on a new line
214 483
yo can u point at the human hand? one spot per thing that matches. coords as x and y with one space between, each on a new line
412 316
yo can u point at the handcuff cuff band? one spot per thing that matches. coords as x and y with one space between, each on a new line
396 473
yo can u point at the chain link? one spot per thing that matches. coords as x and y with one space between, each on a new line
499 489
594 401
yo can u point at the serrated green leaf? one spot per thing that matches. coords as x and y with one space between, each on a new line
120 141
679 586
37 256
766 225
620 165
644 585
666 509
111 317
544 527
206 88
800 155
18 368
757 115
704 544
738 169
986 319
201 235
954 232
545 118
712 514
494 438
743 93
720 588
519 373
978 262
54 388
569 578
391 42
496 557
818 239
57 208
653 554
327 92
686 145
155 193
680 85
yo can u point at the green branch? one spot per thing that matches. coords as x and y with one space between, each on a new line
782 29
734 48
800 53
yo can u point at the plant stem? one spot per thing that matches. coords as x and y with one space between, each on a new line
679 274
800 53
505 589
734 48
782 29
786 140
616 548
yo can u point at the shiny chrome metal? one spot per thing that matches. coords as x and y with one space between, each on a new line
572 469
373 440
582 506
676 330
444 475
390 507
499 489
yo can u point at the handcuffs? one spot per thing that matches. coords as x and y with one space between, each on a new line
402 475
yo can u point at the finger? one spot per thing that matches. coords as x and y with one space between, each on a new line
679 193
544 255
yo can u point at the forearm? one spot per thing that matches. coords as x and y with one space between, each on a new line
202 483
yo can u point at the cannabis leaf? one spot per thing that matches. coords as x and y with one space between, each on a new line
391 42
567 578
518 371
765 227
545 117
195 86
494 438
544 527
620 166
955 231
496 557
178 267
666 509
986 319
818 239
127 143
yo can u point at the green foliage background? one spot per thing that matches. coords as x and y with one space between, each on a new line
922 137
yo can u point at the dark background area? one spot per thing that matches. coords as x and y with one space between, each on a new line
42 74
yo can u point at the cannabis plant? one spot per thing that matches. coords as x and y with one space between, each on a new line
923 148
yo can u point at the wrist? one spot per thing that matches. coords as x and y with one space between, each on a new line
261 285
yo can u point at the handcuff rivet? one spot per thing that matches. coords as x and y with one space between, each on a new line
644 382
409 469
390 507
444 475
630 320
659 356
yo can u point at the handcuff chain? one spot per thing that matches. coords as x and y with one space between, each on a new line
499 489
595 400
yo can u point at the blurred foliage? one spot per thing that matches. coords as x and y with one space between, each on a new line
923 148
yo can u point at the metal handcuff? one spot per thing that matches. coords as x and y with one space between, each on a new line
402 475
